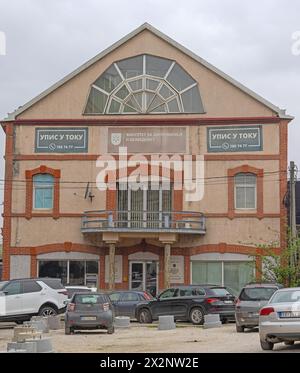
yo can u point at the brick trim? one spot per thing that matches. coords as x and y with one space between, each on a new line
7 209
231 172
29 190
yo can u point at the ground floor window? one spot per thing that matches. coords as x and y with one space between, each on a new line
71 272
231 274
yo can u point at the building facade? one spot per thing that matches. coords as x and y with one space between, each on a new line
79 200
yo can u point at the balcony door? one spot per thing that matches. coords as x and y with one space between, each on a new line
144 207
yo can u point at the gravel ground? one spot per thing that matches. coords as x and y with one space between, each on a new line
141 338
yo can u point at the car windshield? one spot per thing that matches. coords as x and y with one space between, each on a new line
253 294
90 299
2 284
287 296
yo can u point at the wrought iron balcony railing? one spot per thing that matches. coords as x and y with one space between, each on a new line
143 221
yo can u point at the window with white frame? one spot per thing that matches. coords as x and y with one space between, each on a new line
43 191
245 191
144 84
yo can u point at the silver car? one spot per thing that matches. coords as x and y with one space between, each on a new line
279 320
252 298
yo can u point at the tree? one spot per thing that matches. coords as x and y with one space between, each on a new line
282 267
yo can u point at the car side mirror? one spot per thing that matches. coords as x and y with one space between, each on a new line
3 293
66 302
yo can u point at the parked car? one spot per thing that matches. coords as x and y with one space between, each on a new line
24 298
76 289
251 299
125 302
279 320
189 303
89 311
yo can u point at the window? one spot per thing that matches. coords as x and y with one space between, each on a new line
31 287
233 275
245 191
71 272
170 293
115 297
144 84
13 288
43 187
130 297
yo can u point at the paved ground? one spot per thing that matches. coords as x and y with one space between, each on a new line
140 338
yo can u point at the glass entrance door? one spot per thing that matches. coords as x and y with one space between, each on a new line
143 276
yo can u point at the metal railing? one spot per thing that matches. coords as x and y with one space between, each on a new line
143 221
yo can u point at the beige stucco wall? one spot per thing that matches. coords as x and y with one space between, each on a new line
220 98
242 231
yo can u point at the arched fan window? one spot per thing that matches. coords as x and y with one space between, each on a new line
144 84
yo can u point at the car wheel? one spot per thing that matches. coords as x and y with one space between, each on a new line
111 330
197 316
19 322
144 316
265 345
47 311
289 343
239 328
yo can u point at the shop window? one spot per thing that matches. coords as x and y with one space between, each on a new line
245 191
207 273
43 188
144 84
233 275
71 272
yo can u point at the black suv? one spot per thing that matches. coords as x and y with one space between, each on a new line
189 303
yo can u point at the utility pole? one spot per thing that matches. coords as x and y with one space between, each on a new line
293 178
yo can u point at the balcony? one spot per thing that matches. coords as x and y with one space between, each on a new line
182 222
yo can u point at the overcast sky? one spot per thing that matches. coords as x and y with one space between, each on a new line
251 41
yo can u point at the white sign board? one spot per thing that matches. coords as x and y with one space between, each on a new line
177 269
118 269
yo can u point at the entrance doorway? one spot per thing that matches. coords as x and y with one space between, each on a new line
143 276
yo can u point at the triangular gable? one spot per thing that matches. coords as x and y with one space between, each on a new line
276 110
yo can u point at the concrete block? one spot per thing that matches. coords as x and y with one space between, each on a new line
54 322
166 323
212 321
122 322
42 345
23 336
39 323
15 346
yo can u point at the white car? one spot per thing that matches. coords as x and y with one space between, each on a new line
20 299
279 320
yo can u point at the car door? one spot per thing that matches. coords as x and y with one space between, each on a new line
33 296
163 305
13 298
127 304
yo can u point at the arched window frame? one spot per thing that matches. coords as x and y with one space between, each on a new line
144 77
29 205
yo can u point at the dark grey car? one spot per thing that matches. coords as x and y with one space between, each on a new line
89 311
126 301
251 299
